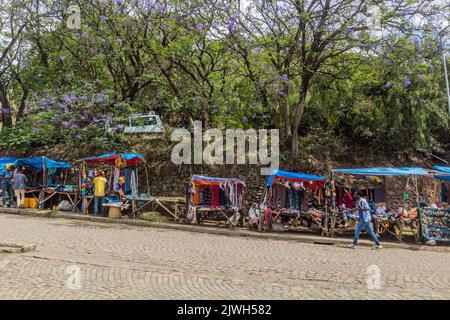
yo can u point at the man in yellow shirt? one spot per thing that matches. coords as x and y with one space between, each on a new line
99 192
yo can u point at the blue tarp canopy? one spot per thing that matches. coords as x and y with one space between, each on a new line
442 169
286 175
445 173
37 163
443 177
5 161
212 180
132 159
384 171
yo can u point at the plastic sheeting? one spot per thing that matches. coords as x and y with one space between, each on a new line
37 163
202 180
442 169
384 171
132 159
286 175
445 178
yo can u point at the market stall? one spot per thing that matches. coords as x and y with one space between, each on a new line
294 199
47 181
442 185
214 198
372 182
122 174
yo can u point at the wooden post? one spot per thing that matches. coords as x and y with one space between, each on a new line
146 176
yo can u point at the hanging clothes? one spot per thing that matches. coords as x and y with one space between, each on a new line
215 196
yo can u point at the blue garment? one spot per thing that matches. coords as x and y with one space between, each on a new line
360 227
7 176
7 194
20 181
364 210
98 205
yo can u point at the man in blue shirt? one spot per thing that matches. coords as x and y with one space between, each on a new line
364 221
7 193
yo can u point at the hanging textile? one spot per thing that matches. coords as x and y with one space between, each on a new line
380 194
133 184
215 196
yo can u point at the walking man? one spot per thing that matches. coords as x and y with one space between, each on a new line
20 182
7 194
364 221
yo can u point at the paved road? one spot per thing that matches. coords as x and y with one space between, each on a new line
88 260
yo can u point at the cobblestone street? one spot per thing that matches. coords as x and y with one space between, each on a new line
115 261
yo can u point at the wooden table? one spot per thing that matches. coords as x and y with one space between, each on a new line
48 194
137 204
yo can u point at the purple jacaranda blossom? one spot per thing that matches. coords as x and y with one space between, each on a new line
244 119
84 34
102 18
233 25
161 9
388 84
407 82
200 26
284 77
74 126
149 5
119 40
94 119
102 39
281 93
65 123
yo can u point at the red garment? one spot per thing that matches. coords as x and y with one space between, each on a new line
215 196
346 199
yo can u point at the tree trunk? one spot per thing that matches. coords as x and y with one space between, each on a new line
296 123
306 78
6 108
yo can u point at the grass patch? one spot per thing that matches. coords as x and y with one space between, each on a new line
153 216
46 213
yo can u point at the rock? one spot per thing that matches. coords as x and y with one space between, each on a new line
430 243
28 247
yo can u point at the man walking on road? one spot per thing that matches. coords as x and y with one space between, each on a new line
364 221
